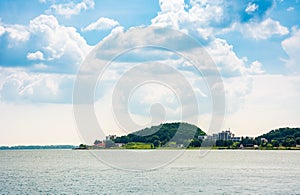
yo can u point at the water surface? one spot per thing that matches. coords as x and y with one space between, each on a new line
228 171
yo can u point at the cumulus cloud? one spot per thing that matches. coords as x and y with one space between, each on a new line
18 85
264 29
291 46
57 42
227 61
102 24
35 56
236 73
71 8
255 68
16 33
197 19
205 19
251 7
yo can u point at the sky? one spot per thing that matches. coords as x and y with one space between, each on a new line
44 45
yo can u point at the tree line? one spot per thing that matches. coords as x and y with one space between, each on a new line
169 133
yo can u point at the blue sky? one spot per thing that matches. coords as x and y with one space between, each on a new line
254 44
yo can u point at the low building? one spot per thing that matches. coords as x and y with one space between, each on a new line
119 145
100 145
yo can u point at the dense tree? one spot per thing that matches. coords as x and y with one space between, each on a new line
275 143
289 142
160 135
224 143
247 141
196 143
283 136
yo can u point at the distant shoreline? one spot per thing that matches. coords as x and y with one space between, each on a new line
191 148
37 147
72 147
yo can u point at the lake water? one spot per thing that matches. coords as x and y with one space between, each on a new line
194 172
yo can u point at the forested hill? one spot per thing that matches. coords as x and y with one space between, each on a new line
284 136
181 133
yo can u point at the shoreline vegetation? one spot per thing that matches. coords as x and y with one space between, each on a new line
73 147
178 135
188 148
187 136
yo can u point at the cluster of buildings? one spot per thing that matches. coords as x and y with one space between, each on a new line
107 143
223 135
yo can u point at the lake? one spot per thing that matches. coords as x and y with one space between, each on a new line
193 172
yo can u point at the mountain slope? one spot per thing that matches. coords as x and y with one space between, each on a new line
177 133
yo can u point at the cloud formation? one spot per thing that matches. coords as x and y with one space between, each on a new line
102 24
291 46
61 47
57 42
16 33
35 56
20 86
252 7
263 30
71 8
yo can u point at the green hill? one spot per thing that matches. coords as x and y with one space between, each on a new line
287 137
166 134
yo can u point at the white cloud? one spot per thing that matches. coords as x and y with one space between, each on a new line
236 75
197 20
227 61
290 9
16 33
251 7
229 64
35 56
255 68
102 24
206 19
291 46
71 8
264 29
17 85
52 42
58 42
2 30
